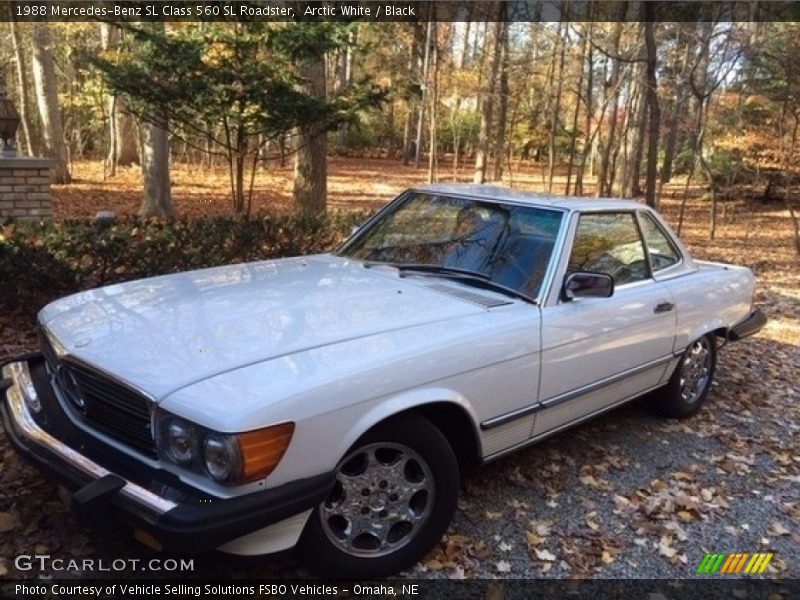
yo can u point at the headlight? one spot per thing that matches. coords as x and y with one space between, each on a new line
180 442
221 457
229 458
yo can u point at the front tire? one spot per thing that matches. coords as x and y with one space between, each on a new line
395 494
690 383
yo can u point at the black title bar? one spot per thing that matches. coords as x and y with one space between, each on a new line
401 589
395 10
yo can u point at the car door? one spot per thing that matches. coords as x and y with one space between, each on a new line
597 352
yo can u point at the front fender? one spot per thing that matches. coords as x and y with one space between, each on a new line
402 402
321 441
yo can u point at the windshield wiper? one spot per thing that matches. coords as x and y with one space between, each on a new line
466 275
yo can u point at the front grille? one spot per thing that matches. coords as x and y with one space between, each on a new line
101 402
115 409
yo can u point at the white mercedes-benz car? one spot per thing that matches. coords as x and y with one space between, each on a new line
333 402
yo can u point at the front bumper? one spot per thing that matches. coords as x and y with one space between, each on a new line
108 482
749 326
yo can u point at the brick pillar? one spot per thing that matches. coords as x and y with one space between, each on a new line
25 188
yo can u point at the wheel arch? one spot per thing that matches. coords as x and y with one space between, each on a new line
449 412
456 425
715 326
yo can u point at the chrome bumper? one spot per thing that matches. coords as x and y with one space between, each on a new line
21 397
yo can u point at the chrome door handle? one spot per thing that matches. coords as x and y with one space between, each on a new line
663 307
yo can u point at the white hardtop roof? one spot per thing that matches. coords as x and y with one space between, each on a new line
498 193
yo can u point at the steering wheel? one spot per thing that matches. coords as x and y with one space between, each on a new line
625 273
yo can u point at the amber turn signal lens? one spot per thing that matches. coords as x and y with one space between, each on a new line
262 450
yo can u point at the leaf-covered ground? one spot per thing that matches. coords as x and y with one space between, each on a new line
627 495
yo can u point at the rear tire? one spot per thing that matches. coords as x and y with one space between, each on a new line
690 383
395 495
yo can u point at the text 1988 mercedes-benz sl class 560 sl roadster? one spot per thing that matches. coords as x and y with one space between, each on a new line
332 402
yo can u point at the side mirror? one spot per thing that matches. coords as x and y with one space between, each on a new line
588 285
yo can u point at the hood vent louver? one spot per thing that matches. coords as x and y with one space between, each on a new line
468 296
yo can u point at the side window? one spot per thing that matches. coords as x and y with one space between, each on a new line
609 243
663 253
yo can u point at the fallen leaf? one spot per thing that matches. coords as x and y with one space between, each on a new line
7 522
776 529
533 539
434 565
545 555
503 566
595 483
666 550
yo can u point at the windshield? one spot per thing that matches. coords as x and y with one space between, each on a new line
509 244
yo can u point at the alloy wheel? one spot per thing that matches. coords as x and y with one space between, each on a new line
383 496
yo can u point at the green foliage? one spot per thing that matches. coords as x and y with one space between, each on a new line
682 161
728 167
357 136
236 83
464 125
48 260
241 75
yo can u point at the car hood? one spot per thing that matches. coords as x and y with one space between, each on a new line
164 333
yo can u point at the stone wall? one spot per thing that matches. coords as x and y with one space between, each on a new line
25 188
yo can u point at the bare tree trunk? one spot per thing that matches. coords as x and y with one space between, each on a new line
702 93
344 78
310 160
434 99
157 198
787 197
556 108
634 167
588 137
410 113
628 167
502 115
487 106
576 113
653 109
676 110
121 129
671 141
604 170
425 67
462 59
44 77
407 134
124 132
25 112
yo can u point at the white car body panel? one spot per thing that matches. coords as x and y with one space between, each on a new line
336 347
274 538
186 327
592 339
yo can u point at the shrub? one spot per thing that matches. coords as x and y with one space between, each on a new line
43 261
